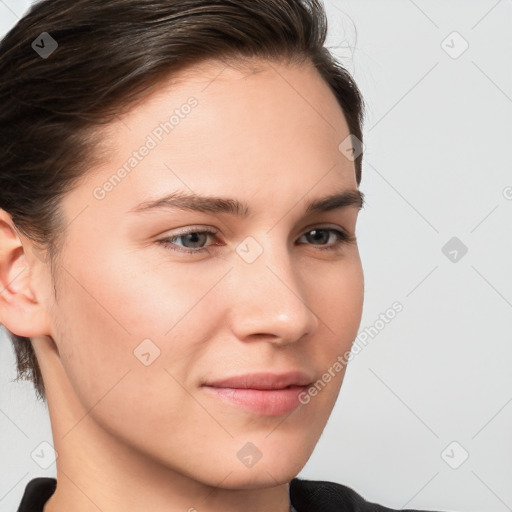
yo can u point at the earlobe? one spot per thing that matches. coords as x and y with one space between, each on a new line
20 311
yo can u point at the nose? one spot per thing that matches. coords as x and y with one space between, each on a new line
270 299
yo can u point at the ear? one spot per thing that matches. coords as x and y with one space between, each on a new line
23 283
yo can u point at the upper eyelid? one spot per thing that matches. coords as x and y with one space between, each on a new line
337 221
215 231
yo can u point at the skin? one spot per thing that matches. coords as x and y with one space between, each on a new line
132 437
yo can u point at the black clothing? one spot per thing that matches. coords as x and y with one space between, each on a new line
37 493
305 496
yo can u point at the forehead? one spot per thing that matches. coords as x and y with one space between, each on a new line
255 89
260 125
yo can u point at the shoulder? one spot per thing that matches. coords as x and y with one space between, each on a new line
317 495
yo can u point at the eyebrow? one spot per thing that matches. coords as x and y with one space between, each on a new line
211 204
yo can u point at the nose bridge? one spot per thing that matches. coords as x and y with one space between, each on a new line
270 298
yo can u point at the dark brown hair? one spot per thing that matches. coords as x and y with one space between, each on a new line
108 55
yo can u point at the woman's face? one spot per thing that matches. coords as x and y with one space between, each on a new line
141 326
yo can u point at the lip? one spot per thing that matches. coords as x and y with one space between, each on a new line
263 380
267 394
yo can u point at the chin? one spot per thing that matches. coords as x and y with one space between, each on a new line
266 463
259 476
243 466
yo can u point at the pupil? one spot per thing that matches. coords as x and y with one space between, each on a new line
318 232
193 235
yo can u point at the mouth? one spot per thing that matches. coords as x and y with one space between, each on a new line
265 394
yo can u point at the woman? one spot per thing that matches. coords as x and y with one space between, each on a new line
179 187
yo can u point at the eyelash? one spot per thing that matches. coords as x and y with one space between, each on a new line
343 238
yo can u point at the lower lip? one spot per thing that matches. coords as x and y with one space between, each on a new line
271 402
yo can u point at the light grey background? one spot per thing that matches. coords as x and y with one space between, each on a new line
434 384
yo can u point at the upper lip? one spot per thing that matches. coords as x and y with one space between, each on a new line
263 380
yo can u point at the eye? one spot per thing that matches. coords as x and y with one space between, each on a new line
319 234
194 239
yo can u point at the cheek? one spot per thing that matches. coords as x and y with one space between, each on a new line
116 318
335 295
339 299
106 311
351 296
338 303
